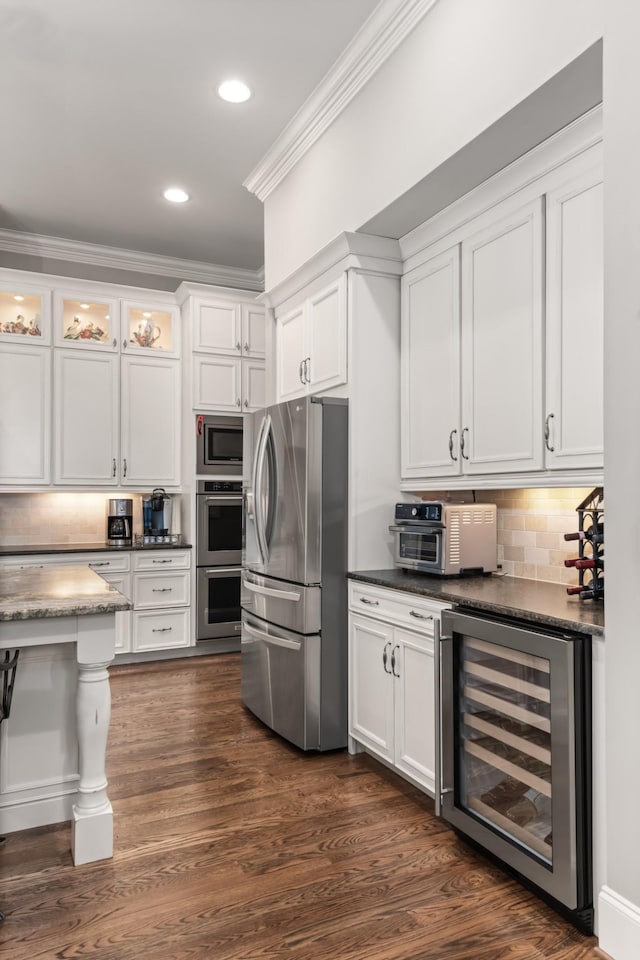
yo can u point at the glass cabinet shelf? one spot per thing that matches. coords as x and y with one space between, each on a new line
24 314
150 328
86 323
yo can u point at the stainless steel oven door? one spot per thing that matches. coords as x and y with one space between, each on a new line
418 547
218 602
219 534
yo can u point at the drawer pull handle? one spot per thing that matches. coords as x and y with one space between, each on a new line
161 561
419 616
370 603
100 563
161 589
161 629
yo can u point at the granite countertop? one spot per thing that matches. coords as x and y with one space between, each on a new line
530 600
57 591
41 549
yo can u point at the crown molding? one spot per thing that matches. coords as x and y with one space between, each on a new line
72 251
381 34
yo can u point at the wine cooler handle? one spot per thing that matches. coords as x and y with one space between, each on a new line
437 699
547 432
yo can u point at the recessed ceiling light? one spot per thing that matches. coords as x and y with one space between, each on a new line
85 306
18 298
235 91
176 195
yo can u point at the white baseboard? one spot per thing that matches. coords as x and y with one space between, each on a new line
619 926
36 813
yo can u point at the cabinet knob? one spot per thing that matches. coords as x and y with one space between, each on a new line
115 342
238 346
238 402
113 468
124 344
246 348
124 467
246 403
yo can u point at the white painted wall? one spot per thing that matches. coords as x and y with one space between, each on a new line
620 906
464 66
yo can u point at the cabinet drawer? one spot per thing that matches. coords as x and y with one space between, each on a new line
119 564
160 630
160 590
395 607
162 560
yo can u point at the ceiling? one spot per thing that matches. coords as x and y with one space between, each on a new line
104 104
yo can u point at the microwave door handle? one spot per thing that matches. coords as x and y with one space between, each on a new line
258 479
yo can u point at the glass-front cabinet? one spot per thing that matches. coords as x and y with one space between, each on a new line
85 323
150 329
25 314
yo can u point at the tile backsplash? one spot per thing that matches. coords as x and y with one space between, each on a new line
531 524
31 519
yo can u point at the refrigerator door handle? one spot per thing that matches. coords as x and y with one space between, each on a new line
269 638
268 592
258 476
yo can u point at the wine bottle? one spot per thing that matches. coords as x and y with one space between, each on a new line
595 534
587 590
585 563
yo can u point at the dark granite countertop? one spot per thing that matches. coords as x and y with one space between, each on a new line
57 591
42 549
531 600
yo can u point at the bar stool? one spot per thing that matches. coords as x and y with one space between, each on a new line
8 670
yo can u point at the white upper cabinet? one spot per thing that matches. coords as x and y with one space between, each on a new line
86 427
25 413
501 342
574 388
25 313
150 418
149 329
430 352
90 322
311 346
228 327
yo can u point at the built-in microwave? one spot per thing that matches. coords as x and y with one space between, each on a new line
219 445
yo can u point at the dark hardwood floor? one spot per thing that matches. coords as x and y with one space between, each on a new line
232 845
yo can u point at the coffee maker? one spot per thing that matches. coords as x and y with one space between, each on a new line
120 523
156 516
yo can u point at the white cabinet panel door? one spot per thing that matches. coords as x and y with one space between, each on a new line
86 417
150 421
327 337
253 385
217 383
216 327
371 685
415 707
575 329
25 415
253 332
430 364
290 350
502 303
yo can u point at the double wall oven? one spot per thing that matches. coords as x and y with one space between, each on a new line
219 555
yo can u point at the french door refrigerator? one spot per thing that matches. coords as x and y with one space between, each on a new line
294 588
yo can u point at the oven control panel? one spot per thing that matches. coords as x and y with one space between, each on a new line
219 486
429 511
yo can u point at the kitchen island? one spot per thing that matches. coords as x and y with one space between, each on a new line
53 745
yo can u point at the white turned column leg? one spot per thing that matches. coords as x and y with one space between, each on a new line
92 830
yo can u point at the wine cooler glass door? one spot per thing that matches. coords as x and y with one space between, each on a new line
515 748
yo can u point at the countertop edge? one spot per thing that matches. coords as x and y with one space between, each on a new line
439 591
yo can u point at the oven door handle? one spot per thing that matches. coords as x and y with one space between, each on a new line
269 638
222 499
215 571
269 592
258 475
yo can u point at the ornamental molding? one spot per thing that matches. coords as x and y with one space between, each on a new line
390 23
114 258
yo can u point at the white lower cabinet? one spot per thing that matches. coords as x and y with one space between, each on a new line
391 679
161 594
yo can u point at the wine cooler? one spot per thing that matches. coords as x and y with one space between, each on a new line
513 764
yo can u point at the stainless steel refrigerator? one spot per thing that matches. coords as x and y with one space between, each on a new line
294 588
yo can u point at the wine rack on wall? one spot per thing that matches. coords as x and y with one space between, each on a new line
590 538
